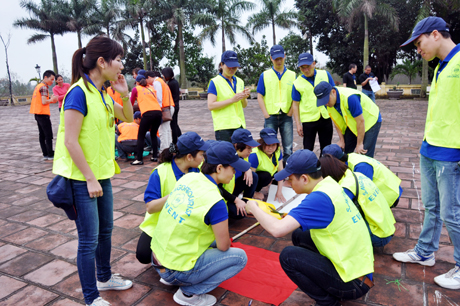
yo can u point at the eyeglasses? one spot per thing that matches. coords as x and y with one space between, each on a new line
111 116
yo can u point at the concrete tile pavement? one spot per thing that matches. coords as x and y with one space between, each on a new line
38 244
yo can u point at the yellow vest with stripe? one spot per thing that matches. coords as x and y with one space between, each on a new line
376 210
345 241
96 138
385 180
181 236
167 181
308 110
278 93
370 111
265 162
443 116
230 116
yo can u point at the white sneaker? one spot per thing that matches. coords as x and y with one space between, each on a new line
99 302
449 280
194 300
412 257
165 282
114 283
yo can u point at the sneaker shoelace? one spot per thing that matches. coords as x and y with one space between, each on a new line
451 273
117 277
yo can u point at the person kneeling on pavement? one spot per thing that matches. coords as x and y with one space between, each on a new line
126 137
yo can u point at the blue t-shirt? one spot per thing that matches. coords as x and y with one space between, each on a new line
261 84
218 211
435 152
254 160
296 96
354 106
212 87
315 212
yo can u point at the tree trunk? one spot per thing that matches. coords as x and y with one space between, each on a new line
311 41
223 35
79 38
366 44
150 48
53 49
273 28
143 43
183 79
108 31
8 68
424 78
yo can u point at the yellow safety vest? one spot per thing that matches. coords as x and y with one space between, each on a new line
345 241
443 115
181 235
265 162
376 210
97 138
308 110
278 93
385 180
230 116
370 111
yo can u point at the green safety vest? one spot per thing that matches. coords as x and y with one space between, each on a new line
385 180
97 139
181 235
345 241
265 162
278 93
370 111
308 110
443 116
230 116
167 181
376 210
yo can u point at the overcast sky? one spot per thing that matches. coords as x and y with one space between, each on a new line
23 57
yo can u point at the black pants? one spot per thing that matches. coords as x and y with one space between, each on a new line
322 127
224 135
45 134
265 178
151 120
175 129
143 250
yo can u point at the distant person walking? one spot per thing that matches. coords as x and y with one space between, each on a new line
364 79
349 78
60 89
168 74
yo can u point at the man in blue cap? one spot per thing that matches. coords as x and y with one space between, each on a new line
440 150
323 267
357 119
311 119
274 97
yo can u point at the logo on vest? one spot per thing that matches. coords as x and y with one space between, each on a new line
181 195
455 72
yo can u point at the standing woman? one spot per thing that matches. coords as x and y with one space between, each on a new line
85 154
227 98
168 73
60 89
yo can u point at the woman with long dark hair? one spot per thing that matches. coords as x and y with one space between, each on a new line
60 89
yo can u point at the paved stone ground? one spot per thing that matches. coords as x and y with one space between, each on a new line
38 245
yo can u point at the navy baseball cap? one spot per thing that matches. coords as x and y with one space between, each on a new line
191 141
269 136
137 115
301 162
230 59
140 77
141 72
334 150
244 136
223 152
276 51
322 91
305 59
427 25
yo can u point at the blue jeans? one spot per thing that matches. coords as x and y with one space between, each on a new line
370 140
377 241
94 224
370 94
441 197
283 123
210 270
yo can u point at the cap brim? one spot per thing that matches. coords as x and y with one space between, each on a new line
323 101
241 165
232 64
410 40
271 141
205 146
277 56
252 143
304 63
282 175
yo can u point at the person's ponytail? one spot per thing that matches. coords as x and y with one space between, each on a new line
78 71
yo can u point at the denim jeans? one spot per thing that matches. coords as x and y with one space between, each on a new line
94 224
225 135
370 140
283 123
210 270
315 274
377 241
441 198
370 94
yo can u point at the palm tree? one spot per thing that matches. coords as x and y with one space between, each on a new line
407 68
271 15
47 17
104 18
79 12
225 16
350 10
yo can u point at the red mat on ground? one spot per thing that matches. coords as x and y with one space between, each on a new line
262 279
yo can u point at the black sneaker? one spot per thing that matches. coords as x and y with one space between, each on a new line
154 159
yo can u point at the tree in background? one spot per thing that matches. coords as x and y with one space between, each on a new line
202 72
6 45
79 14
408 68
17 87
133 54
294 45
253 61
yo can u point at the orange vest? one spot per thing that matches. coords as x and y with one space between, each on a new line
115 95
146 99
36 106
128 131
167 96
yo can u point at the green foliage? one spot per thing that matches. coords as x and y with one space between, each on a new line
408 68
293 45
18 88
133 55
202 72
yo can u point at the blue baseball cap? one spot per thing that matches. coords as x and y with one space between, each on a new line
301 162
141 72
269 136
223 152
334 150
276 51
230 59
305 59
140 77
191 141
244 136
137 115
427 25
322 91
